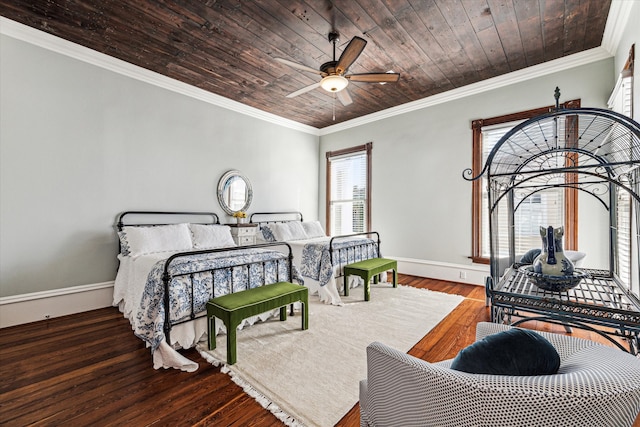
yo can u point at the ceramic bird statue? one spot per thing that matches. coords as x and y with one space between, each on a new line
552 260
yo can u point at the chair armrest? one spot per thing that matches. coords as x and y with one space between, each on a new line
364 404
404 390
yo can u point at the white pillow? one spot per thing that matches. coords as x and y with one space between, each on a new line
296 230
281 231
313 229
211 236
159 238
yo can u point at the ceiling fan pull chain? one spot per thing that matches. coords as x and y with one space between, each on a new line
334 106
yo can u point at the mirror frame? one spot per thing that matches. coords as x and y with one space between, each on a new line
222 184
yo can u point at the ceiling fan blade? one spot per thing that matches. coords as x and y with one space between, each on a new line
303 90
299 66
350 54
374 77
344 97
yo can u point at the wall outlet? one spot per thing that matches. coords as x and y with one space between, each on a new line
463 274
47 316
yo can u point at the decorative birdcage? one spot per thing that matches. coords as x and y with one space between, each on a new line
593 150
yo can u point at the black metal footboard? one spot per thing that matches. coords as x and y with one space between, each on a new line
354 252
168 278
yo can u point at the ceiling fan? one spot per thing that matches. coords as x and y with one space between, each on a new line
333 75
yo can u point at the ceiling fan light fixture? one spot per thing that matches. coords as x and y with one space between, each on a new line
334 83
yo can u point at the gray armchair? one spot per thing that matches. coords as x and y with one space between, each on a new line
596 385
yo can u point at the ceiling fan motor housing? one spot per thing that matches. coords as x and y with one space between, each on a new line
329 67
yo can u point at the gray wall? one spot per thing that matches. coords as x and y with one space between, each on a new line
421 205
79 144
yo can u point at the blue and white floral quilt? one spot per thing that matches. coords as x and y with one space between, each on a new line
318 265
242 269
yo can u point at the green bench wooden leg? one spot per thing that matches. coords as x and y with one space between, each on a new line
305 315
232 334
211 332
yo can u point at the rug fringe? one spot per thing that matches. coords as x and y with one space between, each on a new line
264 401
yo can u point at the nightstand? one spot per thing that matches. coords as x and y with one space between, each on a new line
244 234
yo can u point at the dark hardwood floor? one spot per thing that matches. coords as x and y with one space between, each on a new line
89 369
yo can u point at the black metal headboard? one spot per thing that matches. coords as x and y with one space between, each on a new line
147 216
270 217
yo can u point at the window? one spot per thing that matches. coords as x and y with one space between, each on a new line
623 236
349 190
621 101
556 206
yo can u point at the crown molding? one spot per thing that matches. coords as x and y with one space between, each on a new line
56 44
550 67
617 20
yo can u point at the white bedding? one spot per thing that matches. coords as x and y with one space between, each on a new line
127 294
131 278
330 293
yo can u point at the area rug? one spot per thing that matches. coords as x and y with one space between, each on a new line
311 378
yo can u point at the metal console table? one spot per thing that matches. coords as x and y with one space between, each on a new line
594 151
597 301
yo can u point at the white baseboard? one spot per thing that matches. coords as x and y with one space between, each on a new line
25 308
471 274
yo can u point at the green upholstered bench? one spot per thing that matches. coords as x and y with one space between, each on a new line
235 307
370 268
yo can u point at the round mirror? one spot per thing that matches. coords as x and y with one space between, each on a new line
234 192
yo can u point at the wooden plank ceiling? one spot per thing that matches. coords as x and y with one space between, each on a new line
228 46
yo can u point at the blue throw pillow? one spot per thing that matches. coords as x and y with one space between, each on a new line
512 352
530 256
268 234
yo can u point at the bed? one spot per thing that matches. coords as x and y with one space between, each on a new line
172 263
319 259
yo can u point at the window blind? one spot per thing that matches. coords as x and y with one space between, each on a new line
623 243
621 101
348 203
622 96
539 209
